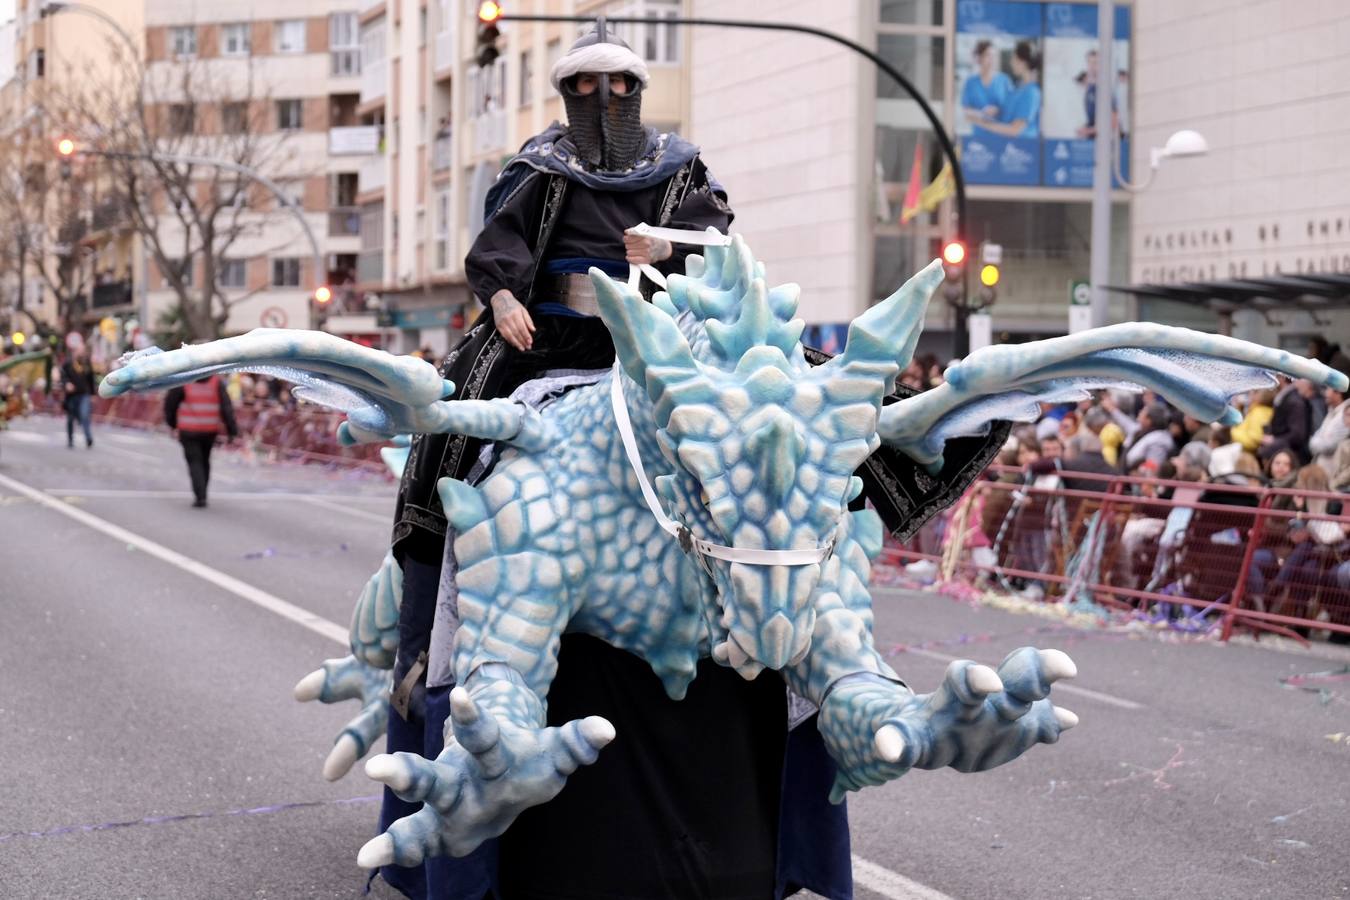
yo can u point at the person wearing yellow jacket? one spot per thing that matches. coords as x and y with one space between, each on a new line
1253 426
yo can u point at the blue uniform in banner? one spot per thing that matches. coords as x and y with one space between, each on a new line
975 94
1025 104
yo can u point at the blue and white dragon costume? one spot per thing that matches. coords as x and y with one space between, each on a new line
695 502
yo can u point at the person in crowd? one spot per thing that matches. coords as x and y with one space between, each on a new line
1313 557
1195 430
1260 409
1192 462
1291 425
1331 433
1152 441
1223 450
1340 460
198 413
77 379
1098 422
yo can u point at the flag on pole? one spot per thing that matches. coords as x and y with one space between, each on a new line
910 208
943 186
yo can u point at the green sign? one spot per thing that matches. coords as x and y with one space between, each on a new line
1080 293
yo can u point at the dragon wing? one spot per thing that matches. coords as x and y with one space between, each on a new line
1198 372
383 395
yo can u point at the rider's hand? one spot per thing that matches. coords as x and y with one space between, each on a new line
513 320
641 250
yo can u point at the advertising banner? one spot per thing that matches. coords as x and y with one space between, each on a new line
1027 85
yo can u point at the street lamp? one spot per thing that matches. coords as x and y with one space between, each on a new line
1181 143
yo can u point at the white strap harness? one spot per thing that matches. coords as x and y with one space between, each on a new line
688 541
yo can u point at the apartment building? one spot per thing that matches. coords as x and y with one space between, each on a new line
447 125
294 81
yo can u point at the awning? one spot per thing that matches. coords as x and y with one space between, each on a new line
1303 291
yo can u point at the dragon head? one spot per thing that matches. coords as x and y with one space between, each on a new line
763 446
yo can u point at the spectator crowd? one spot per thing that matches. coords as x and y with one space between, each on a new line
1182 522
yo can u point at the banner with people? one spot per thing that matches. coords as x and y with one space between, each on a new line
1026 88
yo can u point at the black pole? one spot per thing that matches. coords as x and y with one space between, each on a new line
961 335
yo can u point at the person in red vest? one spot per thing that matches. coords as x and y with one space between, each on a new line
198 412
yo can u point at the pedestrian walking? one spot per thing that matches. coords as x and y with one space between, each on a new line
77 377
198 413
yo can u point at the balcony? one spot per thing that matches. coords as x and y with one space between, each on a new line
108 214
346 61
354 140
443 54
489 132
344 221
365 6
442 153
112 293
371 176
374 80
370 267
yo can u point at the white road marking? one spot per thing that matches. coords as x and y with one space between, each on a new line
219 495
869 875
1060 686
880 880
346 510
240 589
99 445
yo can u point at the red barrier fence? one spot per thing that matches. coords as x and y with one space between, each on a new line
1222 555
304 433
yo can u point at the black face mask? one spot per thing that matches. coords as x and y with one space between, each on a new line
605 126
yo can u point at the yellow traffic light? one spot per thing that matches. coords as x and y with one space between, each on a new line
322 294
954 253
989 275
18 338
489 12
65 147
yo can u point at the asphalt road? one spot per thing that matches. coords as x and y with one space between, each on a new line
149 745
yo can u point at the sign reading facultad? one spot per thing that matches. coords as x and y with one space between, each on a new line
273 317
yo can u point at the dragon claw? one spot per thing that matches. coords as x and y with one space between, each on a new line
386 768
983 680
1057 665
378 851
1066 718
341 758
310 687
889 743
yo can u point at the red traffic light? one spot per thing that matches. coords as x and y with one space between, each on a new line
954 254
65 147
489 12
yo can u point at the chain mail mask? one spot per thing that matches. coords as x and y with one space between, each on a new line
606 126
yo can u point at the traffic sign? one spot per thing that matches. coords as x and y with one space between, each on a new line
1080 293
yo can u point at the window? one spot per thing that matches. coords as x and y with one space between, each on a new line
235 39
343 189
290 115
344 43
37 64
290 36
234 118
232 273
442 225
231 194
286 271
526 77
183 40
554 49
654 40
487 89
422 27
182 118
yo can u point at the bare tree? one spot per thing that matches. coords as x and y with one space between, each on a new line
191 217
45 203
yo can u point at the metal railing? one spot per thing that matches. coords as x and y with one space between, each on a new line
344 221
353 140
1212 556
443 52
372 175
442 152
112 293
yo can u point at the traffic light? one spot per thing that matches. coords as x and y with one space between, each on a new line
323 294
989 276
954 267
486 49
18 338
65 148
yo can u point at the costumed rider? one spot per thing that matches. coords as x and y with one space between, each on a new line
666 811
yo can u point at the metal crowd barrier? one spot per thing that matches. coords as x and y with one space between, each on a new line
305 433
1223 555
